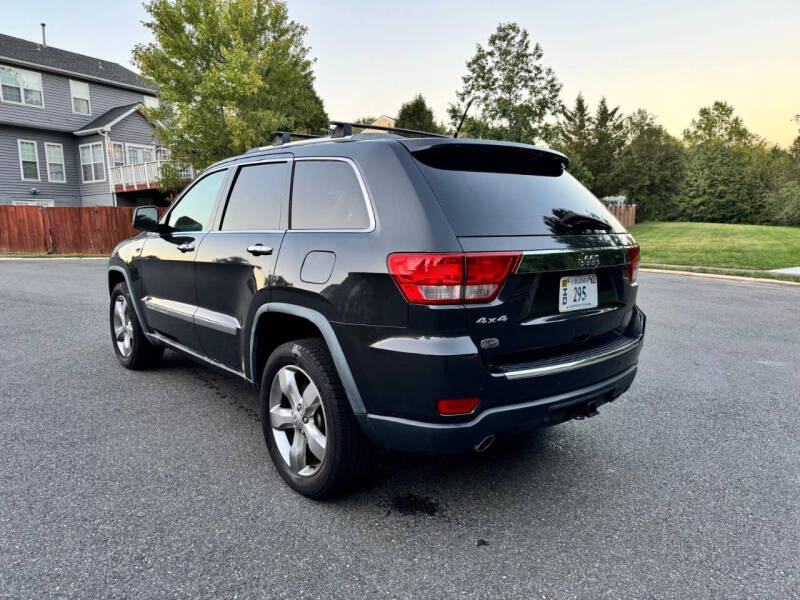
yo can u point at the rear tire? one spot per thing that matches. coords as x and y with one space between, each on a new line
132 349
312 435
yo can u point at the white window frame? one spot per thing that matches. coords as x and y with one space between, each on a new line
62 163
19 155
72 84
22 87
102 156
124 154
138 147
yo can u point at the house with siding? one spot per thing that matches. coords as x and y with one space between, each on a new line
71 130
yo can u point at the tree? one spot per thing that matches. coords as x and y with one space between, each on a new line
794 149
229 72
416 114
574 137
718 124
650 169
607 140
720 185
515 96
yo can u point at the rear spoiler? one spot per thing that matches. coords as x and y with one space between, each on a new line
487 156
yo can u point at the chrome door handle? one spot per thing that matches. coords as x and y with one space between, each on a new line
187 247
259 250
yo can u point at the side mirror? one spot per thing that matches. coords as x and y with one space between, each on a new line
145 218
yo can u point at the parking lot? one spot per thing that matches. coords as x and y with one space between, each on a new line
158 484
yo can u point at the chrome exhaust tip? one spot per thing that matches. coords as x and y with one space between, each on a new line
484 444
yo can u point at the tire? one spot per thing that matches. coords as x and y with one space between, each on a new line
132 349
319 406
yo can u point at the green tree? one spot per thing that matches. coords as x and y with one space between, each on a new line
720 185
650 169
607 140
718 124
229 72
416 114
515 96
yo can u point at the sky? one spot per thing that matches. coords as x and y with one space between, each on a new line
670 58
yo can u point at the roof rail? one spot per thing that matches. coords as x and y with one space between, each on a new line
344 129
283 137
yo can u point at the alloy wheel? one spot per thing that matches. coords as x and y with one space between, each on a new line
297 418
123 327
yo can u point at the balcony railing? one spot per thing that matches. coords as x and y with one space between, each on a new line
144 176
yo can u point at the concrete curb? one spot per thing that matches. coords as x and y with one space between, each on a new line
720 276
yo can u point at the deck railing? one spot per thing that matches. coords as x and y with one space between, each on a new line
146 175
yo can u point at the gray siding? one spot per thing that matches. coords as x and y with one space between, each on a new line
133 129
11 185
57 112
100 187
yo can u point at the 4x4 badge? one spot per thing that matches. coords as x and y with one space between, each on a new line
488 320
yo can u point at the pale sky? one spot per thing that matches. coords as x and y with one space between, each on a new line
670 58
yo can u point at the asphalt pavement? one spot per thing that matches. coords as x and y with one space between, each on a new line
158 484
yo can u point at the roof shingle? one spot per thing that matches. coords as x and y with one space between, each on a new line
47 57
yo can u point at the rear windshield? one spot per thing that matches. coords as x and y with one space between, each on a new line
514 201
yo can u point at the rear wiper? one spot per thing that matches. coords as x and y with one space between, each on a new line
574 221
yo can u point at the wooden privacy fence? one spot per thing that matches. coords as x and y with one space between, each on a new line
64 230
625 213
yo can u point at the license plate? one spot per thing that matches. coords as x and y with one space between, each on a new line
577 292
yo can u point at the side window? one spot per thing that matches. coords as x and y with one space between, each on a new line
193 211
326 195
256 198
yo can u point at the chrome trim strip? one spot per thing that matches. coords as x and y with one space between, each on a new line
171 308
365 194
217 320
155 337
572 259
509 408
573 364
194 314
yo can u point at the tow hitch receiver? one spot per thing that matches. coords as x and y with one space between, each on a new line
575 410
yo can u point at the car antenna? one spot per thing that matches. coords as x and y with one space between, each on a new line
464 116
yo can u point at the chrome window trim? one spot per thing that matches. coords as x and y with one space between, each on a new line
364 193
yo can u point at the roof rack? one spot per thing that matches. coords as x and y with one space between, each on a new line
344 129
283 137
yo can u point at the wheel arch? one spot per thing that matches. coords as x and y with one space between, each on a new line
298 322
117 275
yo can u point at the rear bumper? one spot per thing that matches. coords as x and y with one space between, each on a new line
419 436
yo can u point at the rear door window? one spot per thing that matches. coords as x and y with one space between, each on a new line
326 194
256 198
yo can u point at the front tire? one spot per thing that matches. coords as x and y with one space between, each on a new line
312 435
131 347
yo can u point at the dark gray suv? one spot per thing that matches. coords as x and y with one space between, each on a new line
424 294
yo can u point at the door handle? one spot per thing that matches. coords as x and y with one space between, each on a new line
186 247
259 250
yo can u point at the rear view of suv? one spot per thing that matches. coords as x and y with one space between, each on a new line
425 294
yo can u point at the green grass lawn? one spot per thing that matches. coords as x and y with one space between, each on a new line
756 247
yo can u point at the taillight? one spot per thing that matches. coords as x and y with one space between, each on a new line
452 278
633 267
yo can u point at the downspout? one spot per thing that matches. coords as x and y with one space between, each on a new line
106 145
